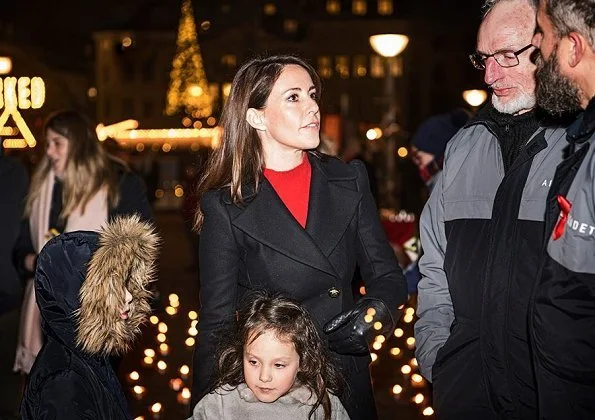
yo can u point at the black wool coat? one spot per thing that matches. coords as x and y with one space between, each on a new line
260 245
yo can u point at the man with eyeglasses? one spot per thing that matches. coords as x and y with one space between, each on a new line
562 324
481 234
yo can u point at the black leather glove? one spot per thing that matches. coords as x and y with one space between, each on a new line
351 331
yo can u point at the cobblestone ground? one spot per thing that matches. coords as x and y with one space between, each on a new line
155 372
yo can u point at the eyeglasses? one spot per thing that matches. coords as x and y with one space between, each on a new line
505 58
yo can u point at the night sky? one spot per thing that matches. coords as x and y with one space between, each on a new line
60 32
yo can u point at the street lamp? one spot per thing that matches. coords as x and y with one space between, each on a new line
5 65
475 97
388 46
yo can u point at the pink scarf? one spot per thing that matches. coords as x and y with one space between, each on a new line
95 215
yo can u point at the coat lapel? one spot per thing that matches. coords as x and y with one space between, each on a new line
331 208
266 219
332 205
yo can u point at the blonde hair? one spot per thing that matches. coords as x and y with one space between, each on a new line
88 166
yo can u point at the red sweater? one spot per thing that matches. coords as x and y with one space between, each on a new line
293 187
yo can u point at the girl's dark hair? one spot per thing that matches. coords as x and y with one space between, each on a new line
239 158
263 312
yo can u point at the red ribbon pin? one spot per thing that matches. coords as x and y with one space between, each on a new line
565 206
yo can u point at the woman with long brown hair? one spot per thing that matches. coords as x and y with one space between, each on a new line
276 215
76 186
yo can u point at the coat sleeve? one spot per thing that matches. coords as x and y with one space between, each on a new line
61 397
219 267
376 258
434 304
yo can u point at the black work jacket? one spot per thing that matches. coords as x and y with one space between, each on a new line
563 313
481 233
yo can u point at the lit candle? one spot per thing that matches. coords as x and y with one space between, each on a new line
163 349
184 396
138 391
176 384
184 371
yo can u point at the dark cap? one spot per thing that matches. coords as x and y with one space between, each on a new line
433 134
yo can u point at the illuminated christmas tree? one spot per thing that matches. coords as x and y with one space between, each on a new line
188 87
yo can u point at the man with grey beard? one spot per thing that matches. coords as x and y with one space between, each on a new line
562 321
481 233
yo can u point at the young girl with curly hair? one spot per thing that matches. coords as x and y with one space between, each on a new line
274 365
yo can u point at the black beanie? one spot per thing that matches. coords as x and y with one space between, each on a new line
433 134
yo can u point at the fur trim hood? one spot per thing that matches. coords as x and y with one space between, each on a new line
125 260
81 283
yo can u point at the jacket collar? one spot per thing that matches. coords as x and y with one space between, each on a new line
584 126
299 394
330 210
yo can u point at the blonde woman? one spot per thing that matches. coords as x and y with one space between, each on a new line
76 186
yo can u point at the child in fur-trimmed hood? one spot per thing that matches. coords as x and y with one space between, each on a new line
92 292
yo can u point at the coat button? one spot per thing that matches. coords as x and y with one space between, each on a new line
334 292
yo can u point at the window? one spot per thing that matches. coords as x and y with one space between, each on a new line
270 9
360 66
290 26
333 7
342 66
229 60
359 7
325 69
376 66
396 66
385 7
